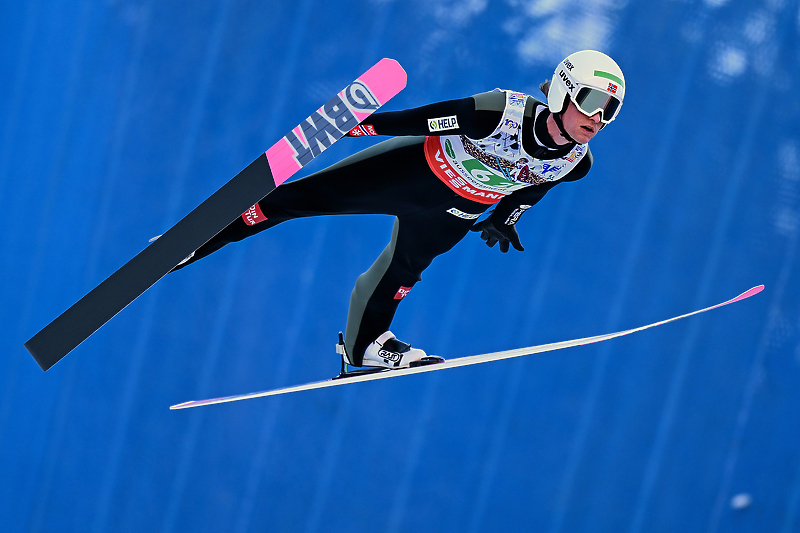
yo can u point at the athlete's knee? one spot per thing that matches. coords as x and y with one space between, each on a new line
409 267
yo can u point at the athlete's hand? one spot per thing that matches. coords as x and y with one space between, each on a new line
504 234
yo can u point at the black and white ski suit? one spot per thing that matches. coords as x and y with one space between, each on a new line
396 178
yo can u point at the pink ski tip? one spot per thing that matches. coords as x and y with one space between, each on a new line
748 294
385 79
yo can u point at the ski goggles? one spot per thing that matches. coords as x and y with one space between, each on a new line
590 101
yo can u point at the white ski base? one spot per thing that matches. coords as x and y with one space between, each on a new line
453 363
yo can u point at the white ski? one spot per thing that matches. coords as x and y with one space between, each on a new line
453 363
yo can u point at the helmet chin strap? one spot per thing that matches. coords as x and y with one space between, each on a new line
560 124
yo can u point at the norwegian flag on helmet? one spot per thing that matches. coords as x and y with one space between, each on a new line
612 88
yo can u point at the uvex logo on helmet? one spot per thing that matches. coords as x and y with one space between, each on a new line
567 81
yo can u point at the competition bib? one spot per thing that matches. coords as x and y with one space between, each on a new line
488 169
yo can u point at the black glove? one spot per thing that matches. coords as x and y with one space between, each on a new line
493 234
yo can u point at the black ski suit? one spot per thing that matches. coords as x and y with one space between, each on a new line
394 178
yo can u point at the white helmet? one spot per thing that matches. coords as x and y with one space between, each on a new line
592 80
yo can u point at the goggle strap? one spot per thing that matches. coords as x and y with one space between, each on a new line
560 124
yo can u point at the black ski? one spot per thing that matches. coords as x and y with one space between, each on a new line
305 142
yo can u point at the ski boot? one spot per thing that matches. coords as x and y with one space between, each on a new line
385 353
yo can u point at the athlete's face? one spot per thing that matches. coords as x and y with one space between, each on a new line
579 126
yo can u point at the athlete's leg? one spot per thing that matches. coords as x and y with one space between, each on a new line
417 239
381 179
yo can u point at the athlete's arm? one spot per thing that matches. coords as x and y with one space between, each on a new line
510 209
472 116
520 200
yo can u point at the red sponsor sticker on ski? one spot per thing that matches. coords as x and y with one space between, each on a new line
402 292
253 216
362 130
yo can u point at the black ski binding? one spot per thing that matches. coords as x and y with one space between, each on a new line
348 371
427 360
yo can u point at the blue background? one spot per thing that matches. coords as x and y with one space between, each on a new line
117 117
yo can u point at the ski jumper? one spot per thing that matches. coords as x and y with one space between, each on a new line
446 164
